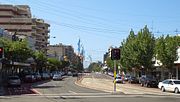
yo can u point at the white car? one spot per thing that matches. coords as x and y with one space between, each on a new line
57 77
170 85
119 79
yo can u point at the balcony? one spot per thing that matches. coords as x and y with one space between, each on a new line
7 7
6 13
16 21
17 27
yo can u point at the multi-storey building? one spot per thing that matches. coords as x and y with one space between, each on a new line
40 31
17 20
56 51
61 52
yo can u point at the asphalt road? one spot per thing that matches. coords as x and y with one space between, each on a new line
66 86
67 91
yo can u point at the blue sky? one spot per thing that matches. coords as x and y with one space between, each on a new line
103 23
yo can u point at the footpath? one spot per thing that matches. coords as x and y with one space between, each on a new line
107 85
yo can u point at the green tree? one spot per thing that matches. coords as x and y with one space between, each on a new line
96 67
20 51
166 52
41 60
16 50
145 49
54 64
137 50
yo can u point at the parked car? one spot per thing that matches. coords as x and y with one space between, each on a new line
148 81
74 74
57 77
118 79
69 73
127 77
29 78
170 85
133 80
14 81
37 76
45 76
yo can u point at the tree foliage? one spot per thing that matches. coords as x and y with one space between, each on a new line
166 50
40 59
137 50
16 50
95 66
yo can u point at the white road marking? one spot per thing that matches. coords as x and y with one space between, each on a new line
101 95
72 92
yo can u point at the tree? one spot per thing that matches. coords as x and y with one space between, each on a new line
145 49
20 51
95 67
129 52
137 50
16 50
166 48
41 60
54 64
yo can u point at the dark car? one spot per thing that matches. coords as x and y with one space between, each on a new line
29 78
133 80
14 81
148 81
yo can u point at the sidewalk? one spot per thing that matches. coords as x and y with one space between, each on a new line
107 85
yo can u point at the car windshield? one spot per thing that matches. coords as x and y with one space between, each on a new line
176 82
14 78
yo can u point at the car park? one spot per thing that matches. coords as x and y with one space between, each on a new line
170 85
14 81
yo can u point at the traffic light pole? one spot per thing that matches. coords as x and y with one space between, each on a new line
114 75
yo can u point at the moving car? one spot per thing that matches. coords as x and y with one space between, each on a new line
14 81
148 81
57 77
170 85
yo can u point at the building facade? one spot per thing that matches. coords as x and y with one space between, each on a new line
17 19
56 51
40 31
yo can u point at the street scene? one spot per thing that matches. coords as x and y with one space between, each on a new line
89 51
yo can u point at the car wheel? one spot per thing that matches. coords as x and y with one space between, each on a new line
176 90
147 85
162 89
142 84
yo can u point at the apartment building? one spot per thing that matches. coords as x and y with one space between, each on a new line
56 51
40 31
16 19
61 52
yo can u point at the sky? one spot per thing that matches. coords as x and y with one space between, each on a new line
103 23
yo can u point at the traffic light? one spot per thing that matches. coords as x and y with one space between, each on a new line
115 54
1 52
